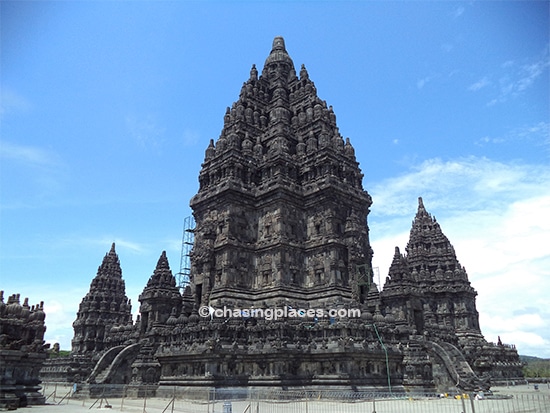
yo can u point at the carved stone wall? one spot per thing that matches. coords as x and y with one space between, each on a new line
22 352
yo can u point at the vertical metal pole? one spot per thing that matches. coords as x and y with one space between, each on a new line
145 400
463 404
173 399
472 396
541 401
386 353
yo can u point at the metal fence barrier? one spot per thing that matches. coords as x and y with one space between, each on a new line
176 399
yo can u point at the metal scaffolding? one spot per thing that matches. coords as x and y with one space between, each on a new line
183 276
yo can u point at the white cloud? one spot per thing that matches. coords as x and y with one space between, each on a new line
517 78
190 137
466 183
496 216
420 83
127 245
28 155
457 12
538 133
480 84
31 174
145 130
12 102
530 72
102 243
60 314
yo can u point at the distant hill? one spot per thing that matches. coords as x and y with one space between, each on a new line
535 366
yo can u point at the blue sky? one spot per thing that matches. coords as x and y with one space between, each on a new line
107 108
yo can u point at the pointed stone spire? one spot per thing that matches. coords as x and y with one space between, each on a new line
278 111
348 149
428 247
278 64
210 151
160 296
253 73
162 276
399 269
110 267
303 73
421 212
106 304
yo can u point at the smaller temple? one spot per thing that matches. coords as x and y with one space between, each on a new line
22 352
104 306
427 291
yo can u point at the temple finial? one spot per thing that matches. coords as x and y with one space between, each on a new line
253 73
279 63
278 43
303 72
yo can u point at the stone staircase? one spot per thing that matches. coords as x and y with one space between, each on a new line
111 361
458 368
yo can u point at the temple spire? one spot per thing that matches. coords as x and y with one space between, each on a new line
160 296
278 64
253 73
162 276
110 266
428 247
421 213
278 44
106 301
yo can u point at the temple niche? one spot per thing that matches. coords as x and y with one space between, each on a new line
22 352
281 223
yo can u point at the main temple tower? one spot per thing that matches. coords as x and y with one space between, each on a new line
281 213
